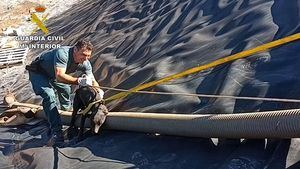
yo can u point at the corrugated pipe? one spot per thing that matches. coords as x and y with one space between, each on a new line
272 124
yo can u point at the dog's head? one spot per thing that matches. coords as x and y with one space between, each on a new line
86 95
98 118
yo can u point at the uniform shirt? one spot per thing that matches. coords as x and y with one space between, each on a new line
63 58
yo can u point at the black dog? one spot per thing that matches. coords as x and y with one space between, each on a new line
97 113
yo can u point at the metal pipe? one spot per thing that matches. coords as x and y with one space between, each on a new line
271 124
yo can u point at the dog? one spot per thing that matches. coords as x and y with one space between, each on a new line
97 113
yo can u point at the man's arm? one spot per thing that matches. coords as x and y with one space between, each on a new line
62 77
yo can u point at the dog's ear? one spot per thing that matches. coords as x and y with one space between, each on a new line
99 118
77 89
98 121
104 109
97 128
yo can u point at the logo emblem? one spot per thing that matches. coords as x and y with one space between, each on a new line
40 23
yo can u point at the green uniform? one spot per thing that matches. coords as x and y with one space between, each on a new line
44 82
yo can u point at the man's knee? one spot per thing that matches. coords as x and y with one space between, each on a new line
48 96
64 97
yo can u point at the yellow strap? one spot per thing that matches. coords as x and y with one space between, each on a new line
240 55
89 107
39 23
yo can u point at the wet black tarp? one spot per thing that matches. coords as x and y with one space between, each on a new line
140 41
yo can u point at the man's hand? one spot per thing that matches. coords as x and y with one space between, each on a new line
85 81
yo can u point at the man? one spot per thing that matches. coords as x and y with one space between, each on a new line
51 70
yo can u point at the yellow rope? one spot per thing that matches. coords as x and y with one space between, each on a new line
230 58
86 110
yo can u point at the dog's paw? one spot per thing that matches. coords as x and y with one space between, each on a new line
71 132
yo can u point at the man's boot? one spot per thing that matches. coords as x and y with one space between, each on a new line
57 139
